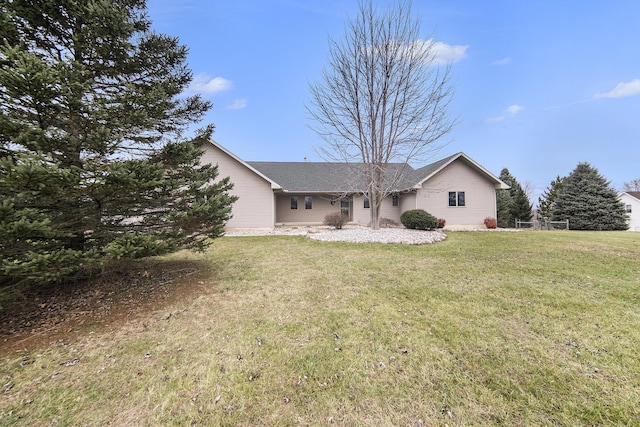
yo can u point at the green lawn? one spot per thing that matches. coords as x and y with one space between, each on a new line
486 328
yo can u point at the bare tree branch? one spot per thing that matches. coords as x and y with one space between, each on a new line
633 185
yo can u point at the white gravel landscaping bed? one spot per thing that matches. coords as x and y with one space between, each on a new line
353 234
383 235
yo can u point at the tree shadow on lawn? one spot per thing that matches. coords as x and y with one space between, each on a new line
42 315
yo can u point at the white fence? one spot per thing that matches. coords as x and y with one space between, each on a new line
543 224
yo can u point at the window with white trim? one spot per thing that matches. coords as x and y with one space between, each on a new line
366 202
627 208
395 200
456 198
308 202
294 202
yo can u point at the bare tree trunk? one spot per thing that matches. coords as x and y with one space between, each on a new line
374 203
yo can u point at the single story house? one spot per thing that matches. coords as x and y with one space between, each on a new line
631 200
270 194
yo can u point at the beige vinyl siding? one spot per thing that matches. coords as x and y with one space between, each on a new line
480 195
255 205
387 210
407 202
321 206
360 214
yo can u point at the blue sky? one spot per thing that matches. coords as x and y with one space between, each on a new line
539 85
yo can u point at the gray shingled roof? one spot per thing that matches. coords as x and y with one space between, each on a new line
425 171
338 177
305 176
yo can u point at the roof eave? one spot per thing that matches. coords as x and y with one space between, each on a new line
299 191
498 183
628 193
274 185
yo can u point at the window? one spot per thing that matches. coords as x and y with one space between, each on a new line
394 200
627 208
452 198
456 198
366 202
294 202
345 204
308 202
461 198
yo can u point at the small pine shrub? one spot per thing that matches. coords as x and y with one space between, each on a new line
442 222
490 222
335 219
418 219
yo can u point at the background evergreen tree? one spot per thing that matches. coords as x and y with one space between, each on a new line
93 164
547 201
513 204
503 201
588 201
521 208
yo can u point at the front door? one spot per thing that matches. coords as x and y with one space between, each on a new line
345 208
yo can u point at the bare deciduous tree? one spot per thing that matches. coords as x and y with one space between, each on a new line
633 185
528 189
383 99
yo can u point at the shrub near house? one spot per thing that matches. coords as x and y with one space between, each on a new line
418 219
336 219
490 223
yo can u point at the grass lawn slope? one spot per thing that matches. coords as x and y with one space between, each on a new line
530 328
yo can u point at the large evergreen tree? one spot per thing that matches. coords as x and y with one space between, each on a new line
513 204
589 202
547 201
93 164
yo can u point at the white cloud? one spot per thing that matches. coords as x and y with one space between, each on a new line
622 90
448 54
238 104
204 84
503 61
428 49
492 120
512 110
509 112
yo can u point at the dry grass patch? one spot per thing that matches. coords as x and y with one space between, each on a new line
485 328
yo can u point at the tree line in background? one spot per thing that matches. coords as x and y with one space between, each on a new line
584 197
